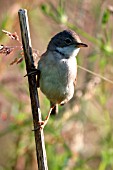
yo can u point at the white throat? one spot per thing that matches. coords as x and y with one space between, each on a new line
69 51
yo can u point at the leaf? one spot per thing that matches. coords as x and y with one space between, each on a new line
19 60
105 17
14 61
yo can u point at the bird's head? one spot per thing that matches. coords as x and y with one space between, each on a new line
67 43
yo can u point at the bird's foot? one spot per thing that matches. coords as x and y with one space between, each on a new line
41 125
33 71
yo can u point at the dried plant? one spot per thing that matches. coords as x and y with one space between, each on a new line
9 49
6 50
13 36
17 60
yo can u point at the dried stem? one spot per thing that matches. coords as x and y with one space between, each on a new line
39 136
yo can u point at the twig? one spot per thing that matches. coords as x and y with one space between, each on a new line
96 74
39 136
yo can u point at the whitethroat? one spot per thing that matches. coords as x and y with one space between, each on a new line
58 69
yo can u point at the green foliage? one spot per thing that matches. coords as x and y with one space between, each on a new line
105 17
56 13
107 152
59 160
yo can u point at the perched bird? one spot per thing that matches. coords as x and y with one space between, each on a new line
58 69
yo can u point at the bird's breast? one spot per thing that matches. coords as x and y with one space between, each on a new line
57 79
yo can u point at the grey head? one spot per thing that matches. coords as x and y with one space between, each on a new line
65 38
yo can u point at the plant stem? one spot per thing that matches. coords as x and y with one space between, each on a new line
39 136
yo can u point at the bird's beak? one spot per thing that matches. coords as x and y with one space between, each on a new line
79 45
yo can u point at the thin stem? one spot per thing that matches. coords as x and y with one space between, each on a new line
36 113
96 74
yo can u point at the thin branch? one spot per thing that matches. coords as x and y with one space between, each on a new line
39 136
96 74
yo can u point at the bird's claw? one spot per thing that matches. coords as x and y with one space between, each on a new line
41 125
33 71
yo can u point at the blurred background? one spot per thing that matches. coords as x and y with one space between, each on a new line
80 137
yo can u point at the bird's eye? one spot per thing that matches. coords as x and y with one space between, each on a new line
68 41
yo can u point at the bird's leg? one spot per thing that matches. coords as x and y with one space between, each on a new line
43 123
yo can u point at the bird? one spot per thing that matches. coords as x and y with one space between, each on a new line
57 69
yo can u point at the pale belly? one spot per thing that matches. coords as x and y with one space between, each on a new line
56 92
57 82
